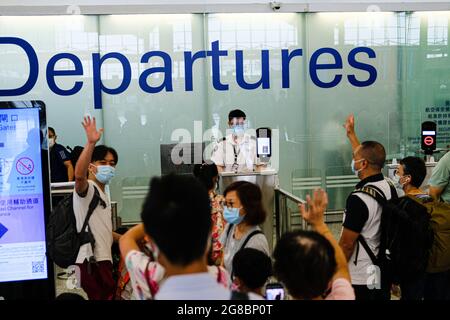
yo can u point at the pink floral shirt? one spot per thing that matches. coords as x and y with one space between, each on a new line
218 227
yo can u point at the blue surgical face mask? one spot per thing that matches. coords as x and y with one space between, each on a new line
238 130
105 174
231 215
356 172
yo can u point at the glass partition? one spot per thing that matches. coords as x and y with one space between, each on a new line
182 74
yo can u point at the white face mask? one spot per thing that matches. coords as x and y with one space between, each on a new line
51 142
356 172
397 182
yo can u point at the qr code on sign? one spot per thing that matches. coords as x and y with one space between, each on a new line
37 267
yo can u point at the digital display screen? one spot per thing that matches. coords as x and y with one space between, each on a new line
22 221
264 146
275 294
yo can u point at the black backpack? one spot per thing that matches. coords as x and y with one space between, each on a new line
63 239
406 236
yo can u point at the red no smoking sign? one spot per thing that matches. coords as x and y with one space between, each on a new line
428 141
25 166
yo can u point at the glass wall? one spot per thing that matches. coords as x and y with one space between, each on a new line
412 85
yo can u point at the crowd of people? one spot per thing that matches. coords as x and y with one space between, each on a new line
195 244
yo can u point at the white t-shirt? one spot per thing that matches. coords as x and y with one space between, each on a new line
100 224
244 150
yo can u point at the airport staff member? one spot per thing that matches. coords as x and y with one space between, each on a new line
237 151
61 169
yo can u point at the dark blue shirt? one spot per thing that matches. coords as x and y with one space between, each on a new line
58 155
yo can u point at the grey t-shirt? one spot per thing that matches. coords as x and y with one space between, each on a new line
231 245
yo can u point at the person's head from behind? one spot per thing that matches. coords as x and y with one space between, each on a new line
177 219
243 204
103 163
410 173
251 270
51 137
305 263
69 296
368 159
208 175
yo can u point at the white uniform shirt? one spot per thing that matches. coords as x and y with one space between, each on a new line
242 152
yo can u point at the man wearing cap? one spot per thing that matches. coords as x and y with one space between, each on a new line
237 151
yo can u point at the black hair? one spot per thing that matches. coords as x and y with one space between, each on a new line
101 151
416 168
253 267
236 114
52 130
177 216
206 173
304 263
69 296
374 153
251 198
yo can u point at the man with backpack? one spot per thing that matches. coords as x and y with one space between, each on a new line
360 238
94 170
409 231
433 283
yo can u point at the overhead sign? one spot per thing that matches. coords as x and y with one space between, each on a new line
191 59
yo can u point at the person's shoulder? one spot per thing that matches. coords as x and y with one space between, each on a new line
258 241
89 193
357 199
135 258
59 147
446 157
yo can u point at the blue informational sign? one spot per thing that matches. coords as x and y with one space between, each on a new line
22 196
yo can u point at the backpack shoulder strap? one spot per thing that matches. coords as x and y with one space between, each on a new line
92 205
367 248
378 195
373 192
394 195
96 199
251 235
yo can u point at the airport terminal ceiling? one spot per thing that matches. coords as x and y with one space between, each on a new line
411 60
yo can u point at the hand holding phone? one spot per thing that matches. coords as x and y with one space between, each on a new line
275 291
